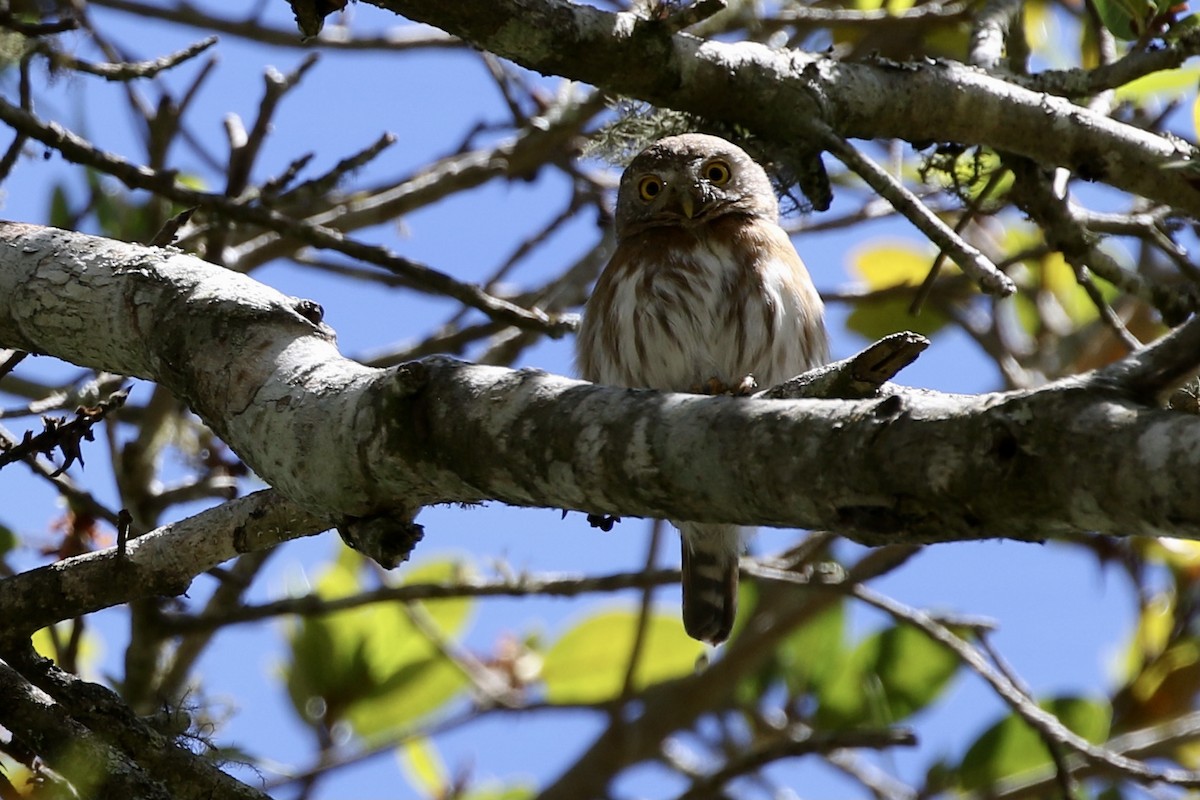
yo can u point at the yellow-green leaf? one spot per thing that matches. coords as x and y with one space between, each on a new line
885 266
588 663
423 766
1164 86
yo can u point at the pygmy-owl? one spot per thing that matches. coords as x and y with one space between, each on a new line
703 290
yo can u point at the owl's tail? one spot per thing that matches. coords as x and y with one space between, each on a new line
710 579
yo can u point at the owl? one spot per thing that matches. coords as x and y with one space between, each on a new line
703 291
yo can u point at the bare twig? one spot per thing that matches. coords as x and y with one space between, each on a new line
1045 723
795 742
1107 314
62 435
639 638
1159 367
522 586
969 259
35 29
856 377
257 30
79 150
127 70
9 159
243 156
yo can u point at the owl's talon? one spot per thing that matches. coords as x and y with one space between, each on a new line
604 522
715 386
746 387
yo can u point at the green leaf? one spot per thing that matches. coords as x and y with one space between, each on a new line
588 663
328 669
8 539
60 208
413 692
884 267
371 665
1011 747
812 657
891 675
973 172
1126 19
913 669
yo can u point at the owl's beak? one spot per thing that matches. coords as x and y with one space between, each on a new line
688 204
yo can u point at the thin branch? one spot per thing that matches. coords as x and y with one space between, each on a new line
486 681
521 586
11 359
1107 314
1045 723
1137 63
9 159
62 435
35 29
77 497
969 259
229 594
161 563
1155 741
163 183
324 183
1159 367
126 70
882 785
639 639
190 14
791 744
243 156
1067 784
1035 195
857 377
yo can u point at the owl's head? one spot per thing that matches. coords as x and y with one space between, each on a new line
690 180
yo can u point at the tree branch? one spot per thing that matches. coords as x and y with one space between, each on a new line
1083 454
160 563
786 95
92 732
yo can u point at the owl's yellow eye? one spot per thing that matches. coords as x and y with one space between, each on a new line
649 187
716 172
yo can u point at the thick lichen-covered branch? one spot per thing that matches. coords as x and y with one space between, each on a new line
342 440
785 95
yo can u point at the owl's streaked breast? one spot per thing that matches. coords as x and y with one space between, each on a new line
722 301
